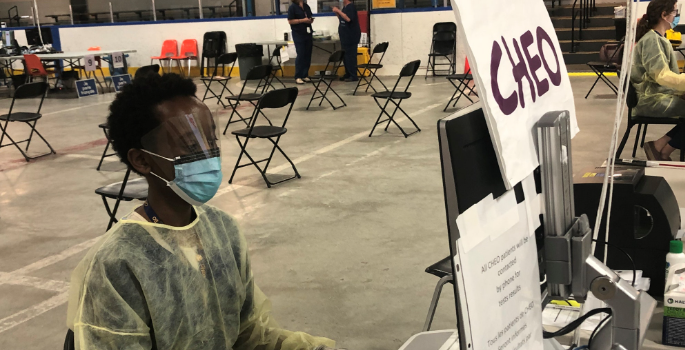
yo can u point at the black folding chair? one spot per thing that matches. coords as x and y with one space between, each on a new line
461 86
640 121
408 71
335 60
145 70
277 64
29 90
443 46
611 56
122 191
105 129
258 73
222 79
271 100
443 270
371 68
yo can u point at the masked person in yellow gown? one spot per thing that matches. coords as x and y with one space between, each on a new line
175 273
656 77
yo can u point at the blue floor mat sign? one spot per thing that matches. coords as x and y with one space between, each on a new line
85 88
121 80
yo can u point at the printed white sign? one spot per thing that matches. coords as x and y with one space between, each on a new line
520 73
284 54
118 60
292 53
90 64
498 261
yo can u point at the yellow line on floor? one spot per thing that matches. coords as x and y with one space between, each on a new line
588 74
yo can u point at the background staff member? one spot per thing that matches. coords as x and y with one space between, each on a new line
656 77
350 33
300 19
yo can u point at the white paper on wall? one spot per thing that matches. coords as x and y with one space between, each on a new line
520 73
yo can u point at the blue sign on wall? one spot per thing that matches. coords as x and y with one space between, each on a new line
86 87
120 80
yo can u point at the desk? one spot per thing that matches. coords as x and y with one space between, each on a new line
72 59
326 42
277 43
274 43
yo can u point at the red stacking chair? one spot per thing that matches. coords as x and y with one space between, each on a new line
188 52
169 50
35 68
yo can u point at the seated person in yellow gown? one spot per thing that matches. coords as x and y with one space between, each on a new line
656 77
174 273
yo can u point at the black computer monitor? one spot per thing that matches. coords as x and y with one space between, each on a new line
33 38
471 172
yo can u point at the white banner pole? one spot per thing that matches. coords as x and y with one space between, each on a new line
154 11
199 4
71 15
40 32
111 14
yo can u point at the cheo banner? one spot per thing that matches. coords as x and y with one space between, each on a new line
520 73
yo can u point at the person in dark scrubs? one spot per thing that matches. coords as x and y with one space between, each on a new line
350 33
300 19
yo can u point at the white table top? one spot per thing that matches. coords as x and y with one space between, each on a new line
272 42
69 55
283 42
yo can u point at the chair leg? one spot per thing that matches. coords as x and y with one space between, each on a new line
624 140
33 129
593 85
434 301
240 156
340 98
276 146
637 139
644 134
104 154
374 76
359 81
112 217
379 115
682 153
4 133
316 89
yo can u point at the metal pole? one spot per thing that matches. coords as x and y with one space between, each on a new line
111 14
33 16
71 15
244 8
369 4
199 3
444 3
154 11
40 32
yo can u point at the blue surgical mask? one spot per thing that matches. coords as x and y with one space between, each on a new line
675 22
195 182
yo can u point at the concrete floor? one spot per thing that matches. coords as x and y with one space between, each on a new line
341 252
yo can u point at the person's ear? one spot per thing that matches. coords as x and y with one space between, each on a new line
139 162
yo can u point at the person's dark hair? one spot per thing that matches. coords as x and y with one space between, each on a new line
133 113
654 11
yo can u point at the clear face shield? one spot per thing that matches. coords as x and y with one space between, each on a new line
676 19
186 155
